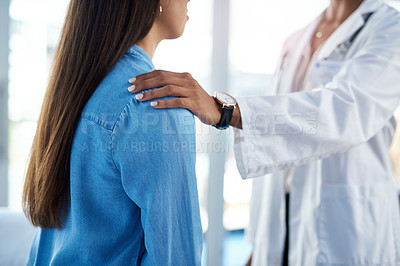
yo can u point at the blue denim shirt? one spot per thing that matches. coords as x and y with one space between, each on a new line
133 186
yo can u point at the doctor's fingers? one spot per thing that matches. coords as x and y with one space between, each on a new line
173 103
169 90
160 78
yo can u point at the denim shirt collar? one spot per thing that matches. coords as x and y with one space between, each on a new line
136 50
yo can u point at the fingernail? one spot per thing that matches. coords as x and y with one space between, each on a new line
154 104
131 88
132 80
139 96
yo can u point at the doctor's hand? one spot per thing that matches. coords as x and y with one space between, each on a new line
189 93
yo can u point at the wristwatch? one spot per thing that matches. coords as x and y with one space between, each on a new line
228 105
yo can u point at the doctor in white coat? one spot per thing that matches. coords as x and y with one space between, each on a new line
323 136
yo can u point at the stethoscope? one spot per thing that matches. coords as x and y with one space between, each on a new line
337 54
342 48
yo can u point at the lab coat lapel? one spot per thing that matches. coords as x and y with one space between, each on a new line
348 28
298 46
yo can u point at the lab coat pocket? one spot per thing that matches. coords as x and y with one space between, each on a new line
323 71
356 225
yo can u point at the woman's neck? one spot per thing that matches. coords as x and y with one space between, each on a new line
150 42
339 10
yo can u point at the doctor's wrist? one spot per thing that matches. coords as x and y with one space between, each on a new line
236 118
215 112
235 121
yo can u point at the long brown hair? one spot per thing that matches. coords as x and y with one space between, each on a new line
96 35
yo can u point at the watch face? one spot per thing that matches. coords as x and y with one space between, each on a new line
225 98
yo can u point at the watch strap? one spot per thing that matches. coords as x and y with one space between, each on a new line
226 118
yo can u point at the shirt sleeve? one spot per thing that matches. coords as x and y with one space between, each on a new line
286 131
154 151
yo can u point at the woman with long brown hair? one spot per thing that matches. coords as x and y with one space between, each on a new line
110 181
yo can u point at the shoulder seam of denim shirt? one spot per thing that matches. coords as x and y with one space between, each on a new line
113 131
131 101
97 121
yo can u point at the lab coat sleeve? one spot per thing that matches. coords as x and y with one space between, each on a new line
286 131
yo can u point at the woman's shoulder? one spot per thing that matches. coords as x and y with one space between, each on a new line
112 95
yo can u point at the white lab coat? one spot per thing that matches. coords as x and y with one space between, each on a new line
344 208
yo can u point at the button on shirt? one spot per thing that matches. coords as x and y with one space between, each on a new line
133 185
